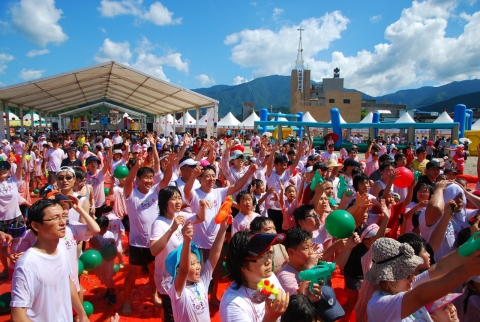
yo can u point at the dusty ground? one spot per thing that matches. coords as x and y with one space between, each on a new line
470 164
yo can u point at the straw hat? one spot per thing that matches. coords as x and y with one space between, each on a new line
332 163
392 261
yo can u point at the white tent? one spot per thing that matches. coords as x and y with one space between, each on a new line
405 118
189 121
368 118
248 124
28 117
228 122
307 117
476 125
443 118
342 121
161 124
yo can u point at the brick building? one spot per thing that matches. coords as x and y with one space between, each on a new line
319 99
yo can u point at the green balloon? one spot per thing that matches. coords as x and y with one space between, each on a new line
5 300
91 259
88 307
106 191
121 172
81 267
109 252
340 224
36 191
116 268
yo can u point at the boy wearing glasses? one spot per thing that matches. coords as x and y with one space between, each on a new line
41 287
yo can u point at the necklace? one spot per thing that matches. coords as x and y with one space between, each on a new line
199 296
251 304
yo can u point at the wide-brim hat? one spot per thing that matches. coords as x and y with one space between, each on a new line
438 304
173 259
332 163
392 261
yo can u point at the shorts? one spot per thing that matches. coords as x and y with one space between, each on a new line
126 223
5 224
140 256
353 283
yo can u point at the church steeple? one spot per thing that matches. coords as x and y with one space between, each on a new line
299 61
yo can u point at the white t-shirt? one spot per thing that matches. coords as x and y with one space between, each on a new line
142 210
274 180
73 215
159 227
180 184
20 245
41 283
204 233
117 139
235 306
9 199
116 227
74 233
18 147
254 141
54 159
325 156
386 307
242 222
97 181
192 304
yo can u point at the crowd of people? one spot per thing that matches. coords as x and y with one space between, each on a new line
411 256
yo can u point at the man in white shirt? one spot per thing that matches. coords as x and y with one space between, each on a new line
6 147
41 286
254 141
17 145
329 154
117 138
54 157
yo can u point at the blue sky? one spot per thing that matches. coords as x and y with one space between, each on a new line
380 46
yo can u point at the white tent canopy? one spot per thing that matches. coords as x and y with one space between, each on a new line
189 121
248 123
405 118
368 118
307 117
342 121
476 125
35 117
443 118
228 122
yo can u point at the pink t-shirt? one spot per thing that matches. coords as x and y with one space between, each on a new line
242 222
288 278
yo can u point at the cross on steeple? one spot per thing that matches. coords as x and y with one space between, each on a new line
299 61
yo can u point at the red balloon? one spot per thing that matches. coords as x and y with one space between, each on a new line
405 179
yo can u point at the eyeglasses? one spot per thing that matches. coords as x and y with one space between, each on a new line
264 258
313 216
57 218
61 178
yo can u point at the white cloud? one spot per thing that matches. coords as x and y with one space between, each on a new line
157 13
375 19
143 57
37 20
110 50
254 4
205 80
28 74
33 52
261 47
277 12
102 30
4 59
239 80
416 49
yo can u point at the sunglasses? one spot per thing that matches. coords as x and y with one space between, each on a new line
61 178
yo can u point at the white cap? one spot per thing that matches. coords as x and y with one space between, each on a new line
392 146
189 162
236 141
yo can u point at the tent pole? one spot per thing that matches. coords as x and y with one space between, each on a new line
2 125
184 112
31 120
215 119
21 120
7 120
196 123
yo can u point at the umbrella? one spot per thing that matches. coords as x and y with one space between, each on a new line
332 136
465 140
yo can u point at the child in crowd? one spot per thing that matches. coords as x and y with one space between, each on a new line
258 190
37 168
118 230
189 292
243 219
291 203
105 271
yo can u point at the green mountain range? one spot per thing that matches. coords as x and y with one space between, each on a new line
274 91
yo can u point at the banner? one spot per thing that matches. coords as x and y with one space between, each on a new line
300 80
210 122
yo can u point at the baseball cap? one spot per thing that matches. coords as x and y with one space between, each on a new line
449 171
259 244
236 154
319 165
443 301
188 161
433 164
5 165
92 159
351 163
369 231
328 308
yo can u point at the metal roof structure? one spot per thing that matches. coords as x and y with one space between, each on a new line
110 81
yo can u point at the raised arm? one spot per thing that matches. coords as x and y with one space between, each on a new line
18 172
171 160
243 180
92 226
184 267
127 150
157 246
187 191
106 166
271 157
301 152
436 204
216 249
128 188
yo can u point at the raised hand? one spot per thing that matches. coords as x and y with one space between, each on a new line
187 232
353 241
252 168
178 221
